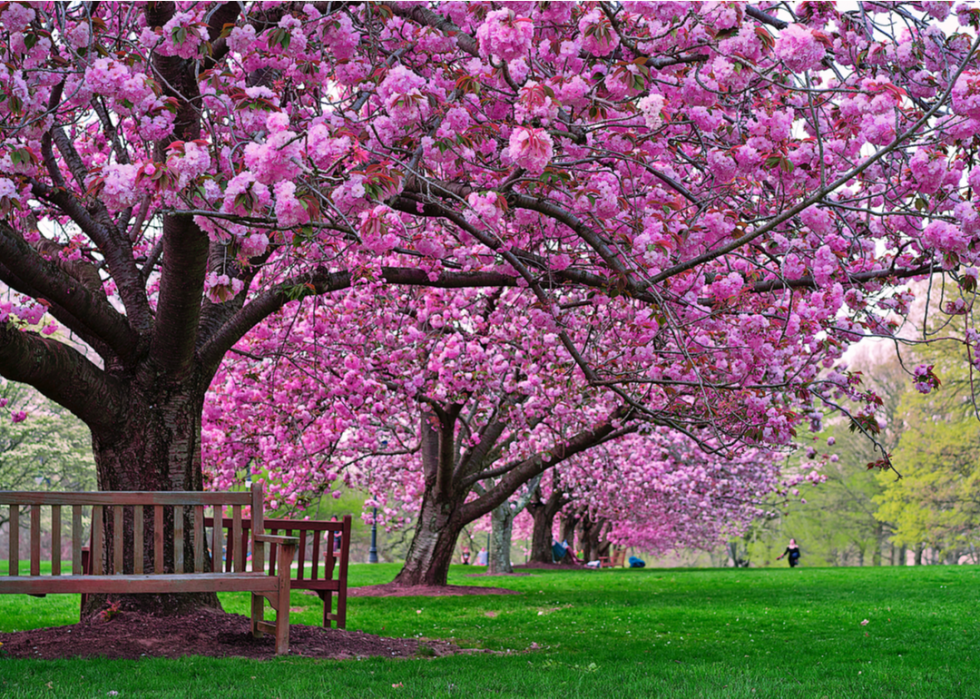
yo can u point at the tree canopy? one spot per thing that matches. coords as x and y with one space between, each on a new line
697 206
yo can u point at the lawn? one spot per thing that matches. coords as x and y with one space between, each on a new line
623 633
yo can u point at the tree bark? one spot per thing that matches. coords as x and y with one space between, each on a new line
542 533
451 477
568 523
155 446
501 532
432 547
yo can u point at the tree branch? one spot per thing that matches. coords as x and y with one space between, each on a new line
61 373
185 254
522 471
323 281
48 280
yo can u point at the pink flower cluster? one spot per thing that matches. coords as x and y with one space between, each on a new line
799 49
531 149
505 35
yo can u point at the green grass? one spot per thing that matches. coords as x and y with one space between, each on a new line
621 633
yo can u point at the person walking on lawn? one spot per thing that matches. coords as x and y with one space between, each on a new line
793 551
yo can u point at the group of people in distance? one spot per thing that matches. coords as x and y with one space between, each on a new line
482 558
792 552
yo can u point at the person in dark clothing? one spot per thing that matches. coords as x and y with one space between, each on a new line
793 551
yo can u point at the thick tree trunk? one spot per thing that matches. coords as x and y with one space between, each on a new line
501 532
591 533
918 555
567 533
156 447
543 514
431 551
542 532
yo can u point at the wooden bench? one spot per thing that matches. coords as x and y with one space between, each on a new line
616 558
326 585
146 570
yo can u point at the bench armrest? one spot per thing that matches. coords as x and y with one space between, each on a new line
281 540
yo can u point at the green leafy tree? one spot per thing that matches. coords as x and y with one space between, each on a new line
936 503
838 521
50 449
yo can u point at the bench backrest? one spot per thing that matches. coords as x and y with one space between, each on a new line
319 535
107 512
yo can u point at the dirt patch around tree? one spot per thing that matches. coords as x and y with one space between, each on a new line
133 635
392 590
534 565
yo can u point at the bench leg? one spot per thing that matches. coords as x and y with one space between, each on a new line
258 613
327 607
286 554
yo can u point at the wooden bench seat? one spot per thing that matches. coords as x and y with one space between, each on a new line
137 584
141 548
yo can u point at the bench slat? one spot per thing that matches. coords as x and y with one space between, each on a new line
56 540
35 539
13 565
98 540
216 533
136 584
302 554
138 539
117 540
76 539
158 540
198 538
178 539
236 539
266 627
123 497
316 555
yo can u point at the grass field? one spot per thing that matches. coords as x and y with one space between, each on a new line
619 633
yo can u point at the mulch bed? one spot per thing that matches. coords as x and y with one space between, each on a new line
392 590
133 635
552 566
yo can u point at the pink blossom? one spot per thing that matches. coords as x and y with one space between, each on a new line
18 416
651 107
799 49
505 35
531 149
221 288
278 158
182 36
119 189
966 94
597 35
401 91
290 211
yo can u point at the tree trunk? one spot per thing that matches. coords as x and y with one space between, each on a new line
432 547
568 522
918 555
501 531
156 447
542 533
589 541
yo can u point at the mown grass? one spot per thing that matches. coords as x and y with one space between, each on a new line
624 633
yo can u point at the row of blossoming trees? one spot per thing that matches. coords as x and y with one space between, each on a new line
572 222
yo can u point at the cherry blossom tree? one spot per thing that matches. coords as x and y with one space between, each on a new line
729 194
444 403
